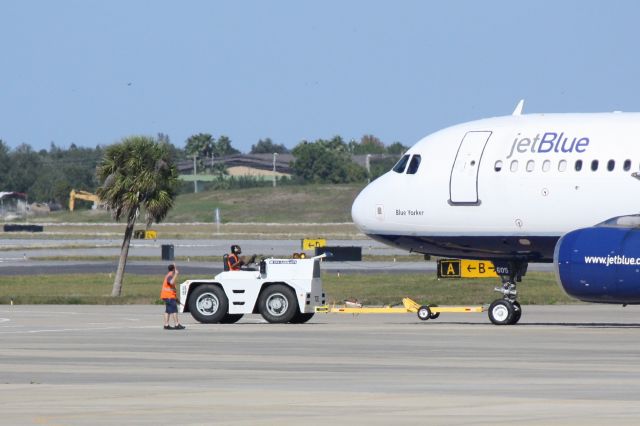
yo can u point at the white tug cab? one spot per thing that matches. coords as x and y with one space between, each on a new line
281 290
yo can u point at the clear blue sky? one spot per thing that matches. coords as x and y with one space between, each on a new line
92 72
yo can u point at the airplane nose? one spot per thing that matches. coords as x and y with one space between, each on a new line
357 213
362 210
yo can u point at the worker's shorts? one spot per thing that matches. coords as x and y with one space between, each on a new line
172 306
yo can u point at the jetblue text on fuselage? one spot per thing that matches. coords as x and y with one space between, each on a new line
549 142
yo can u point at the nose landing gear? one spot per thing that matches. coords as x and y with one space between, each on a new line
507 311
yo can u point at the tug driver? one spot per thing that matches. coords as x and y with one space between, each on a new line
235 262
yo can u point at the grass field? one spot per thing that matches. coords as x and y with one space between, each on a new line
284 204
372 289
292 204
538 288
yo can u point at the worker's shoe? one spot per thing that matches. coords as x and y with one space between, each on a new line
179 327
168 327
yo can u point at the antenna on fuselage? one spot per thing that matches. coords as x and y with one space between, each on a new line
519 107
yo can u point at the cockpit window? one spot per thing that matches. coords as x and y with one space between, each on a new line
400 165
413 165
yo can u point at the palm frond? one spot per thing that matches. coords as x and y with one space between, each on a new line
138 172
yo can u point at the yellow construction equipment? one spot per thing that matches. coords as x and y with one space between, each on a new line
424 312
82 195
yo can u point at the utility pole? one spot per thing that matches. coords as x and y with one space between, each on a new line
275 154
195 175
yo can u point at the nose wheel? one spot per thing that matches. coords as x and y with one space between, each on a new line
507 311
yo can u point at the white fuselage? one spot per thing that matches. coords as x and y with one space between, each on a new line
507 186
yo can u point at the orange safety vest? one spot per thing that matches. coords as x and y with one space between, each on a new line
168 289
232 261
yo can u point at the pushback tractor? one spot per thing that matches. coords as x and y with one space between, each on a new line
281 290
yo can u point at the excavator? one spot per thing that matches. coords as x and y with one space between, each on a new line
146 234
82 195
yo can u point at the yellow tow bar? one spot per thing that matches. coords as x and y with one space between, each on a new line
424 312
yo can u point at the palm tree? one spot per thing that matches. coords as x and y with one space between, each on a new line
137 173
219 169
202 146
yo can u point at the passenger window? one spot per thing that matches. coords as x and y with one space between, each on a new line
611 164
413 165
578 165
514 166
546 165
530 165
594 165
627 165
562 165
498 166
400 165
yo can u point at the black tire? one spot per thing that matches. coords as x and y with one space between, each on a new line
300 318
208 304
231 318
517 313
501 312
424 313
277 303
434 315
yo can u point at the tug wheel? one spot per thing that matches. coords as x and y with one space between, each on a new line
208 304
277 303
424 313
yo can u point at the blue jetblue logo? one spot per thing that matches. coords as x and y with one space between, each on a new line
549 142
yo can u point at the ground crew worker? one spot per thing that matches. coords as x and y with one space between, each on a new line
235 262
168 294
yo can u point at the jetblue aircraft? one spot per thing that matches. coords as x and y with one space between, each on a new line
518 189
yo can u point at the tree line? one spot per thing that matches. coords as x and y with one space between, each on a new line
49 175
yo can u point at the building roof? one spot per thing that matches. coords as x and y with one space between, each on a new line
13 194
255 161
265 161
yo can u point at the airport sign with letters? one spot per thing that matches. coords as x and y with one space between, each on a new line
463 268
449 268
309 244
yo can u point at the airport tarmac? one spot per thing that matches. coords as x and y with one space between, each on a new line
99 365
